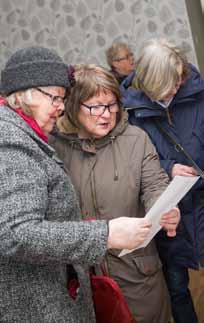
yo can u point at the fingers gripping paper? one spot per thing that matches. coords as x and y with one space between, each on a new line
175 191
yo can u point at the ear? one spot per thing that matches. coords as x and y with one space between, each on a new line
116 65
18 96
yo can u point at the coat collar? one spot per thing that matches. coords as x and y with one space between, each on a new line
67 131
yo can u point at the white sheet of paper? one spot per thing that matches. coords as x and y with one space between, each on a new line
175 191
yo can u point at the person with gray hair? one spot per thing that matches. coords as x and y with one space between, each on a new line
121 60
42 237
166 99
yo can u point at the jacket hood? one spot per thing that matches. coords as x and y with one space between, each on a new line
67 131
194 84
135 99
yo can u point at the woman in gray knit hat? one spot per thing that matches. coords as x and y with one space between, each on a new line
40 231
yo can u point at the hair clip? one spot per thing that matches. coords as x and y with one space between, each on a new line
71 71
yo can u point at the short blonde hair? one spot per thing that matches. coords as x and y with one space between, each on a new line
90 79
112 53
157 68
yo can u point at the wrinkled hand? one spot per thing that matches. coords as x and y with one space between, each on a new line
127 233
182 170
169 221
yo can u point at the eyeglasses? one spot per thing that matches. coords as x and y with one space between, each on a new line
56 100
99 109
128 56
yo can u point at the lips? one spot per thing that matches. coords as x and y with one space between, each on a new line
104 124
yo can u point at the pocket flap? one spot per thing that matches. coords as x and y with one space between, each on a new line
148 265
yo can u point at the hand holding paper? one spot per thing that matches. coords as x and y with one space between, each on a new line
127 232
175 191
169 221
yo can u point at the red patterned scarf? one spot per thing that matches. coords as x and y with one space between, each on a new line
33 124
29 120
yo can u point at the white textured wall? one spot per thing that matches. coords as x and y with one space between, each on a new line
81 30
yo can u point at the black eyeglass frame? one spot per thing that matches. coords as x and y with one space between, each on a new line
55 99
98 106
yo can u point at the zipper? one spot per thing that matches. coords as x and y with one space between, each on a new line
169 117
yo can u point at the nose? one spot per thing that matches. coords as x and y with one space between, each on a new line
106 113
60 107
174 91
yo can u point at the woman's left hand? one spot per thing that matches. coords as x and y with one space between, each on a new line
169 221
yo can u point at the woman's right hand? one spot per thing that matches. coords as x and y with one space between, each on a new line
182 170
127 233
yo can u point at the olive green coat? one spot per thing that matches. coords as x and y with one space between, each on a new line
120 175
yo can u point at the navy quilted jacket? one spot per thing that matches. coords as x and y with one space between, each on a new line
187 115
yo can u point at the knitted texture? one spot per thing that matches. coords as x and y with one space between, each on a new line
33 67
40 233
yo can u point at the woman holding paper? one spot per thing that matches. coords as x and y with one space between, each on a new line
166 99
116 172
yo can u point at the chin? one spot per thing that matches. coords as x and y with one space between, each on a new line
102 134
48 129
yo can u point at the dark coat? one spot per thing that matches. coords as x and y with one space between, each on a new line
114 176
39 234
119 77
187 115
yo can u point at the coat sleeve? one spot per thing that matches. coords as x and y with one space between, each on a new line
153 178
25 233
167 165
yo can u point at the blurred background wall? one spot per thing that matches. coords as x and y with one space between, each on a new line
81 30
196 19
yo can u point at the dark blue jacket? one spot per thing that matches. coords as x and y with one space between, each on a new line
187 115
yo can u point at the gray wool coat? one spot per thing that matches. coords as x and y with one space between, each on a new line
40 233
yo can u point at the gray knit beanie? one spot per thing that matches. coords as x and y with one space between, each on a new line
33 67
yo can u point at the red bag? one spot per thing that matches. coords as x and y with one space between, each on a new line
109 302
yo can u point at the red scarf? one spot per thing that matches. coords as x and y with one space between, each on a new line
30 121
2 101
33 124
